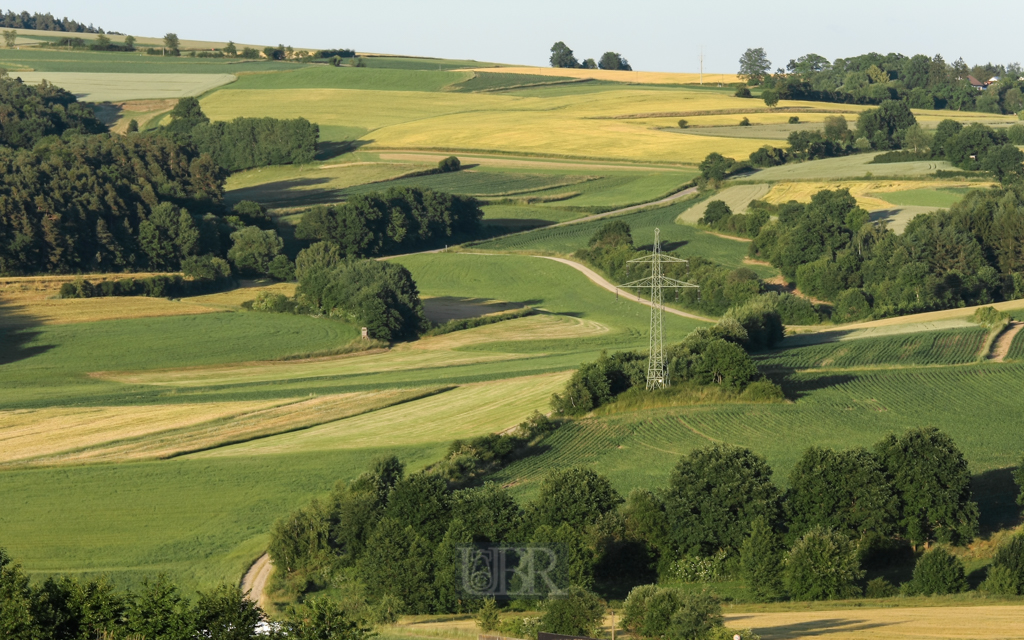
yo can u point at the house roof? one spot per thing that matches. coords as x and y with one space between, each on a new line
974 81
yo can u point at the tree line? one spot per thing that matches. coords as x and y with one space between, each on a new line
45 22
922 82
967 255
720 515
65 608
562 57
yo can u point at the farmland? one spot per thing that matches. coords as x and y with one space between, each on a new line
142 435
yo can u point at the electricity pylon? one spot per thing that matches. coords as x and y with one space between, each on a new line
657 373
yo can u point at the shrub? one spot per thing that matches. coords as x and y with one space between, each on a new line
449 164
822 565
760 317
852 305
272 302
487 616
743 92
683 124
205 268
281 268
1010 559
794 119
938 572
577 613
760 559
794 309
745 122
648 610
520 627
768 156
698 617
317 256
990 317
1016 133
691 569
1001 582
880 588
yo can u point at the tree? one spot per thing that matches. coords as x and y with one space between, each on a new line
916 139
421 501
770 97
317 256
253 249
16 599
230 49
186 115
822 565
761 557
562 56
1005 162
713 497
398 562
171 44
754 66
577 613
576 496
589 63
10 38
847 491
614 62
931 478
1009 562
158 610
487 617
715 211
938 572
250 53
715 166
225 613
449 164
133 126
448 585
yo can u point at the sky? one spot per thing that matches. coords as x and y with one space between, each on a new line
654 35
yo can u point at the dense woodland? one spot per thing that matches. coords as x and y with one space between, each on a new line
922 82
44 22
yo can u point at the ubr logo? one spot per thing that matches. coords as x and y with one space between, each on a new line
508 572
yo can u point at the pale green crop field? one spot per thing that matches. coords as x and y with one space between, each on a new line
115 87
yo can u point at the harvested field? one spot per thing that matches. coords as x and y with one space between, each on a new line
115 87
641 77
737 198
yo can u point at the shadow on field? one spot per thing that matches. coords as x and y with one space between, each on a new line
288 193
325 150
795 388
996 494
16 332
821 627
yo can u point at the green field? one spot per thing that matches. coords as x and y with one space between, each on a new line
944 198
947 347
760 131
839 409
365 79
421 64
685 241
503 81
856 166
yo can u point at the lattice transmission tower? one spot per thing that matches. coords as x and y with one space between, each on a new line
657 373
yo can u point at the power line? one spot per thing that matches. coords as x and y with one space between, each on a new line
657 372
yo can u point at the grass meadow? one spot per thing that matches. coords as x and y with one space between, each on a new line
112 87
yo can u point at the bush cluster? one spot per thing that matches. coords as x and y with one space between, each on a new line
470 323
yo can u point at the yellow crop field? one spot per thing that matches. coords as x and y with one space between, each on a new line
467 411
40 307
34 433
114 434
641 77
590 125
248 291
440 351
891 623
862 190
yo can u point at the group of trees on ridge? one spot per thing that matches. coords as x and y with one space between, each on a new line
562 57
44 22
920 81
399 536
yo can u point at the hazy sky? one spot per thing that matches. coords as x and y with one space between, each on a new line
654 35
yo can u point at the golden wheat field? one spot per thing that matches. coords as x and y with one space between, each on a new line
870 194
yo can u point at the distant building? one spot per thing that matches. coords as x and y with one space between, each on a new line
980 86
